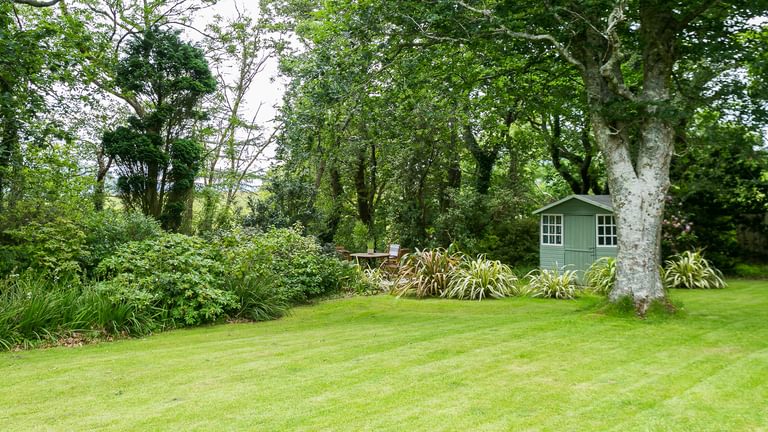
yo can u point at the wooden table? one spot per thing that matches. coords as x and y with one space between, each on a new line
369 256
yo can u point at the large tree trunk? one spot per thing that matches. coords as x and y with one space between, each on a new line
638 193
637 155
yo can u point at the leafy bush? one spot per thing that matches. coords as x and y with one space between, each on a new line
107 230
257 300
601 275
56 246
497 224
369 281
555 283
692 271
751 271
177 274
477 278
62 245
426 273
290 264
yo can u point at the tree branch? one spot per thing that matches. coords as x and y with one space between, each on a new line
695 13
37 3
611 69
561 49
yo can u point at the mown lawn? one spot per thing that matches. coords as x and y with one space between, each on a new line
386 364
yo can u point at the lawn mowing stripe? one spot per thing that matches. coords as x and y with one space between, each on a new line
731 381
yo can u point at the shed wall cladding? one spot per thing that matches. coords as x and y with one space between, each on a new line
552 257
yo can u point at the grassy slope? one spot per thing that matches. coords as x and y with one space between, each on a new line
387 364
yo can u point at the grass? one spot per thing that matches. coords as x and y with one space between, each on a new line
382 363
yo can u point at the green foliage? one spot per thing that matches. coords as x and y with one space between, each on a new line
601 275
258 300
719 190
288 263
497 225
426 273
368 281
555 283
107 230
692 271
56 247
180 275
475 279
155 152
286 202
751 271
42 226
36 307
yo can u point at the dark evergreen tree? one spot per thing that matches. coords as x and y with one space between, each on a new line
157 154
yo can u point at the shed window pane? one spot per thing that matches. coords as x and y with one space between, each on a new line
551 230
606 231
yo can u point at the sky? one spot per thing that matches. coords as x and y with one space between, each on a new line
267 90
264 89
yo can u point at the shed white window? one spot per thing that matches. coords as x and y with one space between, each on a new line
552 229
606 231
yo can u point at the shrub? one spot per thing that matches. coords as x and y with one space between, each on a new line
692 271
257 300
368 281
426 273
178 274
107 230
751 271
290 264
477 278
555 283
601 275
56 247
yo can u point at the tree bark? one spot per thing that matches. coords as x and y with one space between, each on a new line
337 194
362 191
638 171
485 159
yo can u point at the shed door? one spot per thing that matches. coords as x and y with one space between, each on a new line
579 242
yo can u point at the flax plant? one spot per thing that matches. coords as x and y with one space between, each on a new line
692 271
475 279
426 273
555 283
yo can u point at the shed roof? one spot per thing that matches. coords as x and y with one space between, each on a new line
601 201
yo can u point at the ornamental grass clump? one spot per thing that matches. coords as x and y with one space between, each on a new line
478 278
556 283
601 276
691 270
426 273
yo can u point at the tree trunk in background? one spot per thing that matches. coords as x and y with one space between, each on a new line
337 195
362 191
9 147
452 171
99 194
485 159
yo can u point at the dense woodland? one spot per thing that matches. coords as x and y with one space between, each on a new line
423 123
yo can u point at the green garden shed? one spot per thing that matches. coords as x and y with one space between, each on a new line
575 231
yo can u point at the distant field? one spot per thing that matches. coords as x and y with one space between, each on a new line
381 363
241 200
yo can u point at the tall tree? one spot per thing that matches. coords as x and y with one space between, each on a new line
239 48
156 153
633 114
